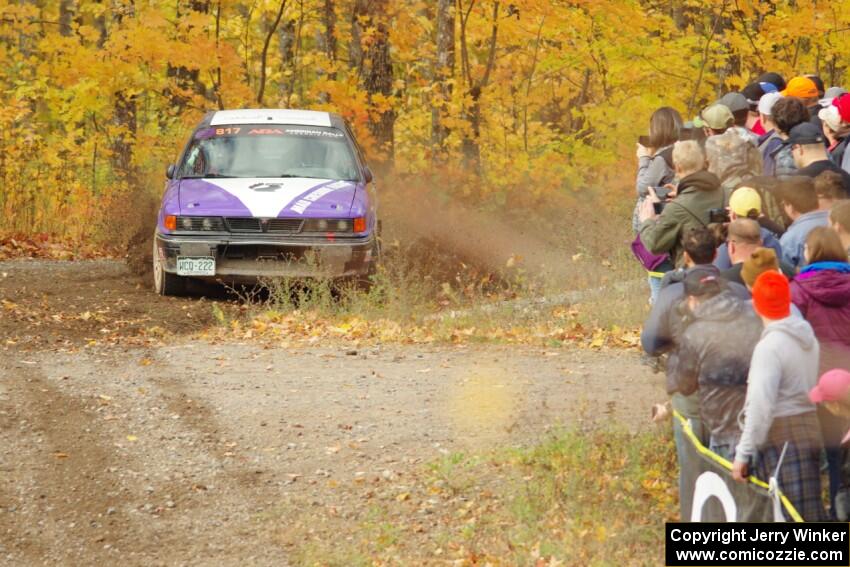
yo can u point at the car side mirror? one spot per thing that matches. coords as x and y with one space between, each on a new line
367 173
170 171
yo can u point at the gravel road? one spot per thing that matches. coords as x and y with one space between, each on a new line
191 453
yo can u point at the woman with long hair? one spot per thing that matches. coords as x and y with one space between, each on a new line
655 169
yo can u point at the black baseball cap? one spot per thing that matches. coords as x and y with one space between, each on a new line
753 92
774 79
806 134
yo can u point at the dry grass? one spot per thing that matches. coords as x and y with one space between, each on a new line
583 497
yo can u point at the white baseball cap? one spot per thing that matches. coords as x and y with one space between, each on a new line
830 117
766 103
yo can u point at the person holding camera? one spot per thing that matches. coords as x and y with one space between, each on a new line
655 155
663 223
655 170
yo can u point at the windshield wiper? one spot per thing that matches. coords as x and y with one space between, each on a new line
292 175
209 176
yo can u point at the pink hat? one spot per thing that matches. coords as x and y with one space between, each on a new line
833 385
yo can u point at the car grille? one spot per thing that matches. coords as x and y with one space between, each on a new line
284 225
244 224
249 224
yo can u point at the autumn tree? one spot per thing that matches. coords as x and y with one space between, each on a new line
475 80
530 96
444 68
371 57
124 116
261 90
186 81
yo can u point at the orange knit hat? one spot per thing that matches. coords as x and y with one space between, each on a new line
772 295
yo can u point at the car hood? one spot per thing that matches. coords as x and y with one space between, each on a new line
267 197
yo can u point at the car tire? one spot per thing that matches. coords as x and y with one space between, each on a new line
163 282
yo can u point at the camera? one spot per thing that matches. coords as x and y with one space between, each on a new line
718 216
658 207
662 192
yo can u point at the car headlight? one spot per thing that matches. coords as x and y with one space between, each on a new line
200 224
335 225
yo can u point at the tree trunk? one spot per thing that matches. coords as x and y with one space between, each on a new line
124 110
470 146
444 66
100 25
265 53
186 81
680 14
376 72
471 143
217 78
330 34
355 47
326 43
66 16
287 39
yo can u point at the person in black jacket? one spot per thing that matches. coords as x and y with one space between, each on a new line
714 356
662 332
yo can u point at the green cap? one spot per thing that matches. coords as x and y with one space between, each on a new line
717 117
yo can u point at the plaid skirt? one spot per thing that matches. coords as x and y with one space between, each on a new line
799 477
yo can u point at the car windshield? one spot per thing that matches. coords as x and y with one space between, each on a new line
270 151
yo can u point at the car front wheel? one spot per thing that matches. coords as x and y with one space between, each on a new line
163 282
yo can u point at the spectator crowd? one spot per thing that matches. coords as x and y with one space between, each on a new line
742 222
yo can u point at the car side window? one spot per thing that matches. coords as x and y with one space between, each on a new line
195 162
354 143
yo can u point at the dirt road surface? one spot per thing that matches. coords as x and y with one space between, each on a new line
199 453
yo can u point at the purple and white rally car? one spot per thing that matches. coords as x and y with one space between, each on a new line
266 193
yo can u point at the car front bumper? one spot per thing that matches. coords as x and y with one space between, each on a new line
245 258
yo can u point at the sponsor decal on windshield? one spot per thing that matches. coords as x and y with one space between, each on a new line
266 131
311 132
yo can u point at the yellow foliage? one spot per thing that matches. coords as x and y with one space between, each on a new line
572 85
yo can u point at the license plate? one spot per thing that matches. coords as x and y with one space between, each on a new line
195 266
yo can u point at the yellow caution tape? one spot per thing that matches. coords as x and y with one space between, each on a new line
688 430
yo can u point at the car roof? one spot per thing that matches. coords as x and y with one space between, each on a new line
272 116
